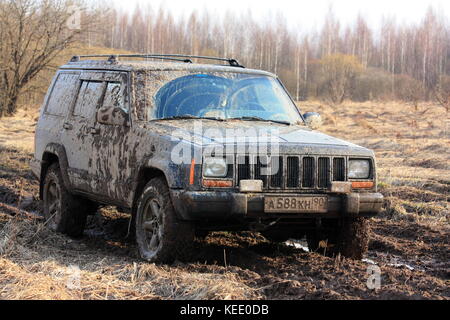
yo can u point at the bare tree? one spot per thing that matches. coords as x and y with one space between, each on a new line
33 33
442 92
409 90
339 74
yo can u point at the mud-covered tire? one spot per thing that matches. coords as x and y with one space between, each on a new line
63 212
348 237
160 236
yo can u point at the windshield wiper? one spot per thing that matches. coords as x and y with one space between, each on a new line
188 117
261 119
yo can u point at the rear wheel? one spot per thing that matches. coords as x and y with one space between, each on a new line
63 212
160 236
348 237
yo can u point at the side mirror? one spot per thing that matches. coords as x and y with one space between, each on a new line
113 116
313 120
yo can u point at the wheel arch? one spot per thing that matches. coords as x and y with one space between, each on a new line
144 175
54 153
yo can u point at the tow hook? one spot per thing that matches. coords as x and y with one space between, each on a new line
260 226
318 223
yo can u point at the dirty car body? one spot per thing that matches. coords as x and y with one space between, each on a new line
112 126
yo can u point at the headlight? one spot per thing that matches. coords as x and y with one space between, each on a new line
359 169
215 168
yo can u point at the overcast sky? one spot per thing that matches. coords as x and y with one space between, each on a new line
306 13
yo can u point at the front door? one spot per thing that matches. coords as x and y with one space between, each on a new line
111 161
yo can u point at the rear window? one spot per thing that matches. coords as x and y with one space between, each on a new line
62 94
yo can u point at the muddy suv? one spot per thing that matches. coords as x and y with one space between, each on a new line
190 148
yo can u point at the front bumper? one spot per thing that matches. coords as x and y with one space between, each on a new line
195 205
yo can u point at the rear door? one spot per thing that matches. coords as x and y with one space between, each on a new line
78 132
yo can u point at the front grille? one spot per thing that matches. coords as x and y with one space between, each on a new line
291 172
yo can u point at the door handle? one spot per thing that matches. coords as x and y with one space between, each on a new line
67 126
94 131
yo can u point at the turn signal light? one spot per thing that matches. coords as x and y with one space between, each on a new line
218 183
363 185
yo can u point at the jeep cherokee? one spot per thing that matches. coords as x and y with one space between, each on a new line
179 146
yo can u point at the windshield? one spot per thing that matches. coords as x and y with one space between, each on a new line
225 96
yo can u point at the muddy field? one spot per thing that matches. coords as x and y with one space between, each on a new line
410 240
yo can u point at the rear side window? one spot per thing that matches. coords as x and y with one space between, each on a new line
62 94
88 98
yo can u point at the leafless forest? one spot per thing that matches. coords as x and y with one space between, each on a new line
389 60
335 62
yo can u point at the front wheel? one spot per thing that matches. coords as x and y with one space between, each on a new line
348 237
160 236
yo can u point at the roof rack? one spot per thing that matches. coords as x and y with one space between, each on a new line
171 57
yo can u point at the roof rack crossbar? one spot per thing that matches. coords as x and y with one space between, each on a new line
116 57
172 57
153 56
232 62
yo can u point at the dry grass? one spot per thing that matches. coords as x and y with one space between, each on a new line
36 263
33 265
18 131
412 151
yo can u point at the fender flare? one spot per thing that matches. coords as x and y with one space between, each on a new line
136 177
60 152
150 163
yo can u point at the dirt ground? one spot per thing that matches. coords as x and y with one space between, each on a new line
409 241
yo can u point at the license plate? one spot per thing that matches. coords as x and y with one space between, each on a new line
307 204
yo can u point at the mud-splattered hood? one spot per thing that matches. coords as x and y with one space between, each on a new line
291 139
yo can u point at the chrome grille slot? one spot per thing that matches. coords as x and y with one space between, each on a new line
243 168
259 166
323 178
276 178
293 172
338 169
308 172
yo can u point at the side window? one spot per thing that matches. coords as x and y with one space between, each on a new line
62 94
88 98
114 96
